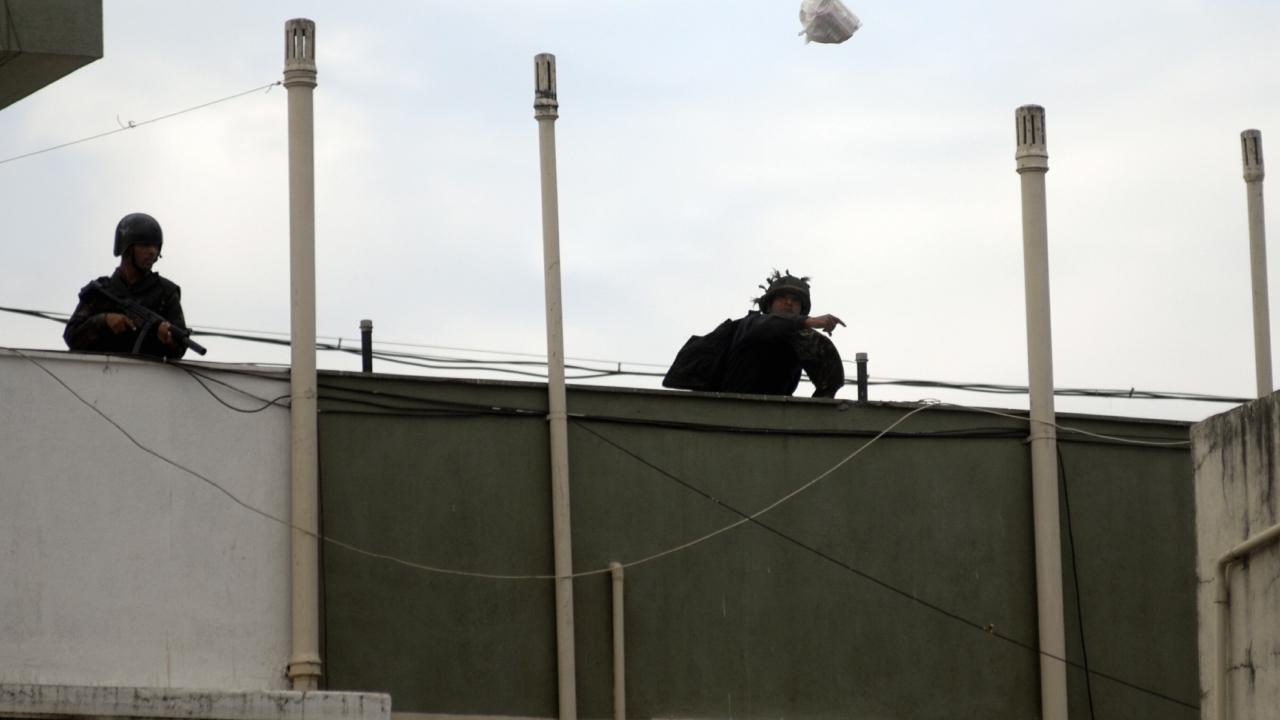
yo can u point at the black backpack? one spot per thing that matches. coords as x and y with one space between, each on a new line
700 363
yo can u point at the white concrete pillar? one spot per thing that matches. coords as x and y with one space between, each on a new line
546 108
1254 172
1032 163
300 80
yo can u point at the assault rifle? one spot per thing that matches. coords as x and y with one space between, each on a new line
149 318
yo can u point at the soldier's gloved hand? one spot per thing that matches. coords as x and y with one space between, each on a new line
118 323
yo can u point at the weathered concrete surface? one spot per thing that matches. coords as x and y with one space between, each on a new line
437 716
118 567
122 570
748 624
131 702
1237 496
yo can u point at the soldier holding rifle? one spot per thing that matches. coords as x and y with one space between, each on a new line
135 310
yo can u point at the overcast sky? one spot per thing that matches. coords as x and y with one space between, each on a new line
700 146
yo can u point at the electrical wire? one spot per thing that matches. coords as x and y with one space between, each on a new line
1075 576
1130 441
59 318
1096 393
434 362
745 518
131 124
757 514
441 408
994 433
965 434
257 511
708 427
988 629
429 568
393 343
414 359
1130 394
581 422
203 380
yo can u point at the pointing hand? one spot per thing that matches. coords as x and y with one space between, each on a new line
826 323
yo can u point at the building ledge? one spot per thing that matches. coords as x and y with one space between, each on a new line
39 701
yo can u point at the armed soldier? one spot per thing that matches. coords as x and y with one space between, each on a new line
771 347
764 352
135 310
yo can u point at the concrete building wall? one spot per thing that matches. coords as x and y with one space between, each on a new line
120 568
1238 496
129 703
44 40
786 621
902 585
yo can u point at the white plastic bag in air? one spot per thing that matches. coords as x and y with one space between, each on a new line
827 21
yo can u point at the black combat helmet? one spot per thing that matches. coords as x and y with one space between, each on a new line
779 282
137 229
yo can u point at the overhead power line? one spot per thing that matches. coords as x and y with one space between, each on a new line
130 125
989 629
753 518
615 368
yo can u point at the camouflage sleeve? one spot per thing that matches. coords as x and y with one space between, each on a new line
821 362
86 326
765 328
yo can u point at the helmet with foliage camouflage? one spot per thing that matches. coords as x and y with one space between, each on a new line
780 282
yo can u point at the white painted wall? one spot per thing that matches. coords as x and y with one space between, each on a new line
1237 496
119 568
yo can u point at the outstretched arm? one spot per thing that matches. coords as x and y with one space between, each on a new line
826 323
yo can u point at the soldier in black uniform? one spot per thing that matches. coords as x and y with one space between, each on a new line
771 347
100 325
765 351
